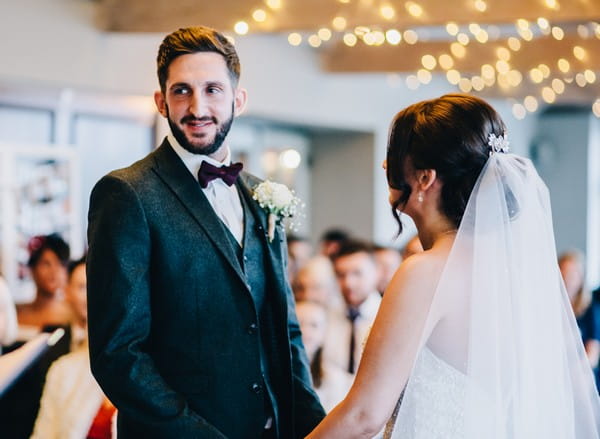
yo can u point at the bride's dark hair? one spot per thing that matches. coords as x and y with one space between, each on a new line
449 134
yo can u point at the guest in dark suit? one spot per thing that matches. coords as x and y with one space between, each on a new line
192 327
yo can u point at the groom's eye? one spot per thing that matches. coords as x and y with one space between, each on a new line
181 91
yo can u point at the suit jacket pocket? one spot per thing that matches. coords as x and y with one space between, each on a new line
187 383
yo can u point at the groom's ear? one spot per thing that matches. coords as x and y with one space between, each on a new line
426 178
161 103
240 100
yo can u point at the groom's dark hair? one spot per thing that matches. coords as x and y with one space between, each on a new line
192 40
449 134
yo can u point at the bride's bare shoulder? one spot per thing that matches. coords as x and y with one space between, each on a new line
420 272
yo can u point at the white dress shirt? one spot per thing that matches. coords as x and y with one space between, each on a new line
224 199
337 341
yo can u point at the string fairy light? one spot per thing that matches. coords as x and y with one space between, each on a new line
596 108
393 37
530 103
554 76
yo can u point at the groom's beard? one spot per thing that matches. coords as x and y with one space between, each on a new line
195 147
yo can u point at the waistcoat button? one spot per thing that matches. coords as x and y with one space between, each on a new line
256 388
252 328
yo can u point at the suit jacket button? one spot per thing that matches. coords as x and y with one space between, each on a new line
256 388
252 328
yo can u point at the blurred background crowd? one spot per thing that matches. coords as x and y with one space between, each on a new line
338 285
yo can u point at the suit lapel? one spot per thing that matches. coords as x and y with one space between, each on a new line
171 170
244 183
244 186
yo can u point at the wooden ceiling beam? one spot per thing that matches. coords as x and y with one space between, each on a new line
309 15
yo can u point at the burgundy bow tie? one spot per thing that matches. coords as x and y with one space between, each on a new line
228 174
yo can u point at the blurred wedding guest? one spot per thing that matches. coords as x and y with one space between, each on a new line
388 260
412 246
596 312
19 406
348 328
299 252
8 316
48 258
76 298
316 282
332 239
72 404
330 381
571 264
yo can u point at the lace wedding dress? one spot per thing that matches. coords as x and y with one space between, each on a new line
435 403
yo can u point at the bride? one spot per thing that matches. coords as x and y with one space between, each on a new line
475 337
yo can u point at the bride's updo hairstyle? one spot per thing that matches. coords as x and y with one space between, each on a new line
449 134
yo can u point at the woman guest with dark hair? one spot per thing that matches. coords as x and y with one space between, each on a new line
330 381
49 256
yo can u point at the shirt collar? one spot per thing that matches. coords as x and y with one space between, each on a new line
193 161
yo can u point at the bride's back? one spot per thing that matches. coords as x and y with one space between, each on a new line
445 333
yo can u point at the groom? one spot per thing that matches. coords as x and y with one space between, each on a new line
192 327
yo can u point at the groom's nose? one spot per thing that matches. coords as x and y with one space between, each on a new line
198 105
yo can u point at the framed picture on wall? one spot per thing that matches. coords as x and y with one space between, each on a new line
39 196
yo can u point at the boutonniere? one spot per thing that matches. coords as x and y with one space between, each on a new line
279 202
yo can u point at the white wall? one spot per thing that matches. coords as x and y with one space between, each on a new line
593 203
342 184
562 140
55 43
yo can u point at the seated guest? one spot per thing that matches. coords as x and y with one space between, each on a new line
48 260
388 260
76 299
19 405
316 282
596 313
330 381
72 405
571 264
8 316
348 329
299 253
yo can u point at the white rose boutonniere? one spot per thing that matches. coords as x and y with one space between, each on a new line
278 200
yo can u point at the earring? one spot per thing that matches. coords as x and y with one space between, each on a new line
420 197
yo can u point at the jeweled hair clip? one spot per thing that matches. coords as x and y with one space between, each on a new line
498 143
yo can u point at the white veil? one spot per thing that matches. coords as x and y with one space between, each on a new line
505 360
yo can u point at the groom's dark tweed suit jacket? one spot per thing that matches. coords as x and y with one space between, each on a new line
191 336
